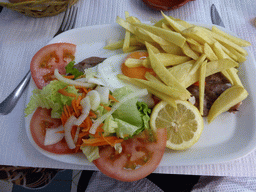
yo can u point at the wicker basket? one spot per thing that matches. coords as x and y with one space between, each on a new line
39 8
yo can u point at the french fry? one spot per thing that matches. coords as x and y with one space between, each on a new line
119 44
158 86
167 27
127 36
154 37
189 52
153 48
173 49
226 100
219 51
160 95
130 62
212 67
161 21
184 23
176 26
168 35
163 73
197 64
168 59
199 35
165 58
132 19
180 72
236 40
151 77
126 44
235 78
227 76
125 24
195 45
240 57
202 87
227 42
209 53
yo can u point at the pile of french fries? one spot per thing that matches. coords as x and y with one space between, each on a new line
182 54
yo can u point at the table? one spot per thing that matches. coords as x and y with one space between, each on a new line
18 44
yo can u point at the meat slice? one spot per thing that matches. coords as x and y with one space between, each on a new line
88 63
216 84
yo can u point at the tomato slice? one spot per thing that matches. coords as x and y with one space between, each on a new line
47 59
41 120
139 157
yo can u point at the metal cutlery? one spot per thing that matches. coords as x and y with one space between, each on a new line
10 102
215 16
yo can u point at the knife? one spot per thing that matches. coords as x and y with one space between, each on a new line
215 16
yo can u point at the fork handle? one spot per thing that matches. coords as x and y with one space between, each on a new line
9 103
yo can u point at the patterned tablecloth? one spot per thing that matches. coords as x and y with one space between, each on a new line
21 37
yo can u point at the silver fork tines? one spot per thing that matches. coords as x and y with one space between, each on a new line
10 102
69 20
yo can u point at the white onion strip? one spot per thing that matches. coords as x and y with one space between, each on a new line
67 131
97 123
104 94
94 99
85 103
52 136
71 82
76 135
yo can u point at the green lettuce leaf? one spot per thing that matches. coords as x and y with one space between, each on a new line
110 126
128 111
91 152
50 98
70 69
130 118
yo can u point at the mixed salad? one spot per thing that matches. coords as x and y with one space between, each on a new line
74 112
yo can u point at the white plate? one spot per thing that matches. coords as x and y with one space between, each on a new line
230 136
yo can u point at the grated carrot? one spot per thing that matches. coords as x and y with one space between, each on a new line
69 76
65 93
76 109
60 132
100 141
106 107
92 115
113 98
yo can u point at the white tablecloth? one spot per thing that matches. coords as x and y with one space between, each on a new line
21 37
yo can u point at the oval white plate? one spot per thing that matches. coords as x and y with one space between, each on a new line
229 137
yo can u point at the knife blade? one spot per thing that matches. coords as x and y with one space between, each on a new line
215 16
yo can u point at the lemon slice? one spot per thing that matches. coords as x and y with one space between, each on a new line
184 125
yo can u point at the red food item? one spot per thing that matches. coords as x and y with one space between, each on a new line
139 157
165 4
41 120
47 59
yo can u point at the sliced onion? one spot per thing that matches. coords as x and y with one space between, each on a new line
71 82
95 81
85 103
94 99
76 135
104 94
82 79
52 137
96 124
67 130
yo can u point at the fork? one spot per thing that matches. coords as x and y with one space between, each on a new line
68 22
